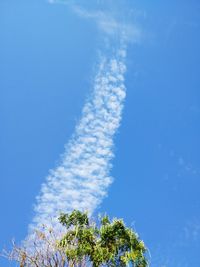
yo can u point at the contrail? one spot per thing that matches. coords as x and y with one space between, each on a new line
82 178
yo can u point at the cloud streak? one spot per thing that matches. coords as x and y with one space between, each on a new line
109 25
81 179
108 22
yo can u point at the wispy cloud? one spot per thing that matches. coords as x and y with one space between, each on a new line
191 232
110 25
107 21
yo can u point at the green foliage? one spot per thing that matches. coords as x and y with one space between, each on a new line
110 243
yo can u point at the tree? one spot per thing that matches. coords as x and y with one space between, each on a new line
84 243
41 250
110 243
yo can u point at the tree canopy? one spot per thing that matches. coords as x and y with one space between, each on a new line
110 243
83 243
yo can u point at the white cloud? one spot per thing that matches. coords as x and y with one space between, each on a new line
106 22
109 25
82 178
191 231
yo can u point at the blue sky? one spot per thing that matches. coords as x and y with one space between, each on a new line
49 58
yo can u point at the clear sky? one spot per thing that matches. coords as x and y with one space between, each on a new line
48 60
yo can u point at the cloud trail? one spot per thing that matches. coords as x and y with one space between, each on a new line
82 178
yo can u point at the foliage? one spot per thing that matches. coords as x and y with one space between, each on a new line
83 244
111 243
